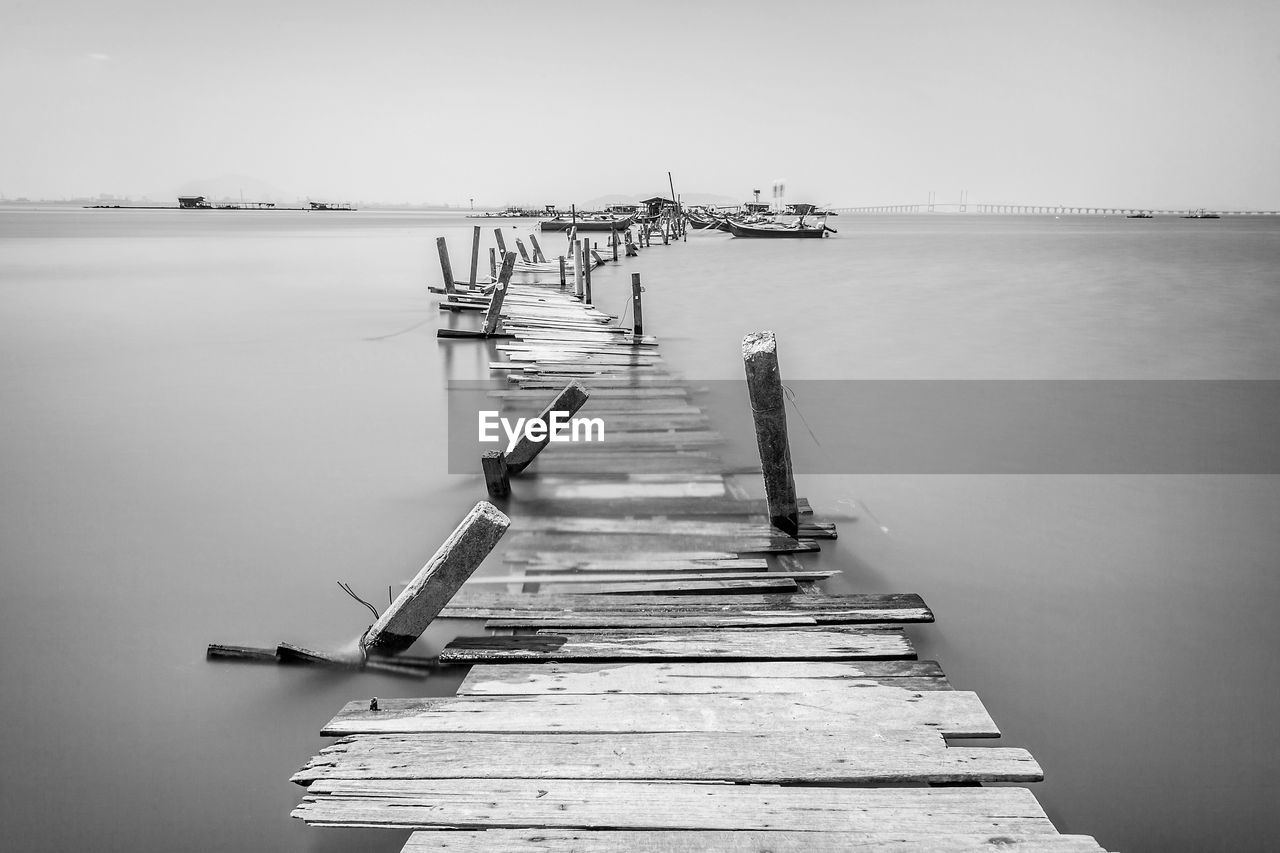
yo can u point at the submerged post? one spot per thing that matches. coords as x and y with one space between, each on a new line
495 474
567 401
562 276
494 314
437 581
446 268
637 315
475 253
537 250
768 407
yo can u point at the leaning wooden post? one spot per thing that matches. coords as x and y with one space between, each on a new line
567 401
493 265
437 582
524 254
445 267
495 474
494 314
563 282
768 408
577 268
537 250
502 244
475 253
637 326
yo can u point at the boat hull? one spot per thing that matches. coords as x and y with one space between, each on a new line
620 224
740 230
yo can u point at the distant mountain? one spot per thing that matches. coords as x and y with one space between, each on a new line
229 188
685 198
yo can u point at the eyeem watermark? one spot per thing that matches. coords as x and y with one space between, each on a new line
492 426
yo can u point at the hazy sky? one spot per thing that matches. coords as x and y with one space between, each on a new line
1099 102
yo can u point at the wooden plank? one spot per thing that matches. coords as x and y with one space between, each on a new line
954 713
620 620
553 576
675 587
864 607
672 805
878 756
624 542
777 643
739 841
698 677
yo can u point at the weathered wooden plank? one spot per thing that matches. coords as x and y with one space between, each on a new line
864 607
221 651
674 586
777 643
619 620
882 755
741 841
626 542
545 577
698 677
672 805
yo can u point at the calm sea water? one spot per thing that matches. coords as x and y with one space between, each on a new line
210 417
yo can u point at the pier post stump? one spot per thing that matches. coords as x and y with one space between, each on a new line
475 253
493 264
537 249
637 315
586 271
437 581
569 400
524 255
562 276
495 474
768 407
446 268
494 314
502 244
613 241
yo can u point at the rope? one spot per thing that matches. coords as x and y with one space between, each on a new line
791 397
351 592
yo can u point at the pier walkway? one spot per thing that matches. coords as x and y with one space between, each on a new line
665 674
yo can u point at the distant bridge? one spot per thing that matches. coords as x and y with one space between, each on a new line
1041 209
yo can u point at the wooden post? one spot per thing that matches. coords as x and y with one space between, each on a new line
524 255
768 407
495 474
577 268
493 264
613 240
637 315
445 267
494 314
569 400
475 253
586 271
502 244
562 276
537 250
442 576
666 241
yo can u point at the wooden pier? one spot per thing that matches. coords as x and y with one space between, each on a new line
661 672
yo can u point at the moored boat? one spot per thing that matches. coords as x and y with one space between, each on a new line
588 223
778 229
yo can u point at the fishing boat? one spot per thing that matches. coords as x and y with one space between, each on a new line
1140 215
588 223
1200 214
778 229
